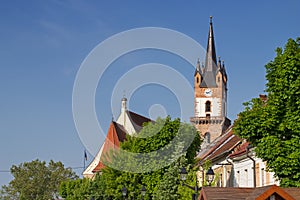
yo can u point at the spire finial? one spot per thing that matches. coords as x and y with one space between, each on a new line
210 18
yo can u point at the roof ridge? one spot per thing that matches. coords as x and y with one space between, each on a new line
138 114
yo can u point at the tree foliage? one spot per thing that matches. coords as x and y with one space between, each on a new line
161 183
36 180
273 126
78 189
154 137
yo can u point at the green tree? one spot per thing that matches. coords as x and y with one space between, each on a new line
273 125
168 186
36 180
165 180
162 183
78 189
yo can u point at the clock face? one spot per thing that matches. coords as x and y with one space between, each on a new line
208 92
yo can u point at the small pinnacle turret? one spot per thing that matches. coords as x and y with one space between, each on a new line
219 63
198 68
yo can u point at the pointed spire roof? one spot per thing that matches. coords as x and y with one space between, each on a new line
198 68
210 70
198 65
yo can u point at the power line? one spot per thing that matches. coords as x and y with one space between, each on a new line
8 171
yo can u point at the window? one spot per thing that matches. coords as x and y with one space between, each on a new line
238 178
208 106
220 182
207 137
197 79
262 176
229 179
246 178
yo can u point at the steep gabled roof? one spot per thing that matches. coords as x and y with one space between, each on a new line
116 134
128 123
137 120
263 193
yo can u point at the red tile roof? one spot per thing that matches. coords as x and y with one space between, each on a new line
294 192
223 145
226 147
240 150
116 134
263 193
214 193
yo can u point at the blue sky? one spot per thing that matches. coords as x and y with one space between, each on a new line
43 43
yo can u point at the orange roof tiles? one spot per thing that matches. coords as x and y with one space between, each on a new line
116 134
240 150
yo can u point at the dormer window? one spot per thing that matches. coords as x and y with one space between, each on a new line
207 106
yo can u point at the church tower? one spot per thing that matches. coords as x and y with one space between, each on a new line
210 88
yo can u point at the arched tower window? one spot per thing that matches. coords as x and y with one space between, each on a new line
207 106
197 79
207 137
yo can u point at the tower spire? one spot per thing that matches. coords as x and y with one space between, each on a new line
210 60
